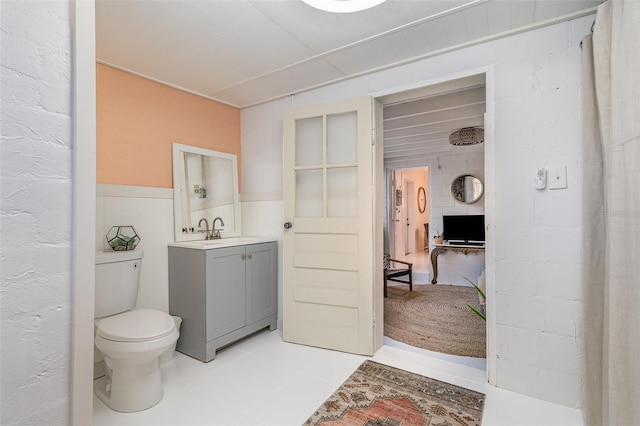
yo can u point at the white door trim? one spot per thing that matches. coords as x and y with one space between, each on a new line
462 79
84 209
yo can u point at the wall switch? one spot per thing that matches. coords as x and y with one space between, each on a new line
558 177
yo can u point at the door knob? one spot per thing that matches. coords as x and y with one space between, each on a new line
288 225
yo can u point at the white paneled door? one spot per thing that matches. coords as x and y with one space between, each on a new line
329 274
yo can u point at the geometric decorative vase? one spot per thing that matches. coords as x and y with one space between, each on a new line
122 238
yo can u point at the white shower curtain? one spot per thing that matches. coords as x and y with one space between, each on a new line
611 101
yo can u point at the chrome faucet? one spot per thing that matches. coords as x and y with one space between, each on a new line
208 235
215 233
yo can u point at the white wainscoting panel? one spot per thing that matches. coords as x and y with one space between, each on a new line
150 212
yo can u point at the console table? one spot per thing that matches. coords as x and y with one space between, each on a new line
457 248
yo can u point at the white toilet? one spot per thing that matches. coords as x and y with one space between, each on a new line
131 340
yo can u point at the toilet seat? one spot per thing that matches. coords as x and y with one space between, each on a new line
140 325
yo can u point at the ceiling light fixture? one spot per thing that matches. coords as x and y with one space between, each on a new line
467 136
343 6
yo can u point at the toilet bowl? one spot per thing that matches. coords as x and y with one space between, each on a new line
132 343
130 340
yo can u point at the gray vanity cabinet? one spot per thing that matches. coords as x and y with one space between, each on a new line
222 295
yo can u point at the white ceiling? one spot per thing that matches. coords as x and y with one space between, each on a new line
244 52
419 129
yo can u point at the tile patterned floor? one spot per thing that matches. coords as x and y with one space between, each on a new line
263 381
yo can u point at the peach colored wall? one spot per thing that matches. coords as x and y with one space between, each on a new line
138 120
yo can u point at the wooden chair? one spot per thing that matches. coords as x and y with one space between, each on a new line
392 272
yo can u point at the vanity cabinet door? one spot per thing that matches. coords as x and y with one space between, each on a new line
186 298
225 291
261 281
222 295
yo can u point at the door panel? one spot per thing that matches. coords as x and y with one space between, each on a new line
346 281
328 269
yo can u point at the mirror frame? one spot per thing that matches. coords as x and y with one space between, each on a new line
422 199
453 193
177 193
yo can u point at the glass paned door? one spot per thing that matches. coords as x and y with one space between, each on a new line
328 280
326 165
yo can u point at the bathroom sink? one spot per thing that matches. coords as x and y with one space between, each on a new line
222 242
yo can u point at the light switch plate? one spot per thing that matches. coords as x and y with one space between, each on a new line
557 177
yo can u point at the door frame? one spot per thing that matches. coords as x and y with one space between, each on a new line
399 214
83 24
389 231
409 215
430 87
389 223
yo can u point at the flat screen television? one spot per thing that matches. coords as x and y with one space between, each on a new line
464 229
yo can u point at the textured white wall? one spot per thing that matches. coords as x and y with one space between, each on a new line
36 213
454 267
538 234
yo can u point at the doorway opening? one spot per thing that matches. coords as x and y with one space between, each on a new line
416 128
407 210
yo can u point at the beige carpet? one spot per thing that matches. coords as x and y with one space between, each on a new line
436 318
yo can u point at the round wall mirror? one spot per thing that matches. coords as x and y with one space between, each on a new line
467 188
422 200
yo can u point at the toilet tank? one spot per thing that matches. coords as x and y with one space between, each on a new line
117 279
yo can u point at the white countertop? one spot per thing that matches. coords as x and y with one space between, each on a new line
222 242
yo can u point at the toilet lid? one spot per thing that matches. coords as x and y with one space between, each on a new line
137 325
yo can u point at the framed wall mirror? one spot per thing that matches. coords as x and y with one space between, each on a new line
422 199
205 185
467 188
